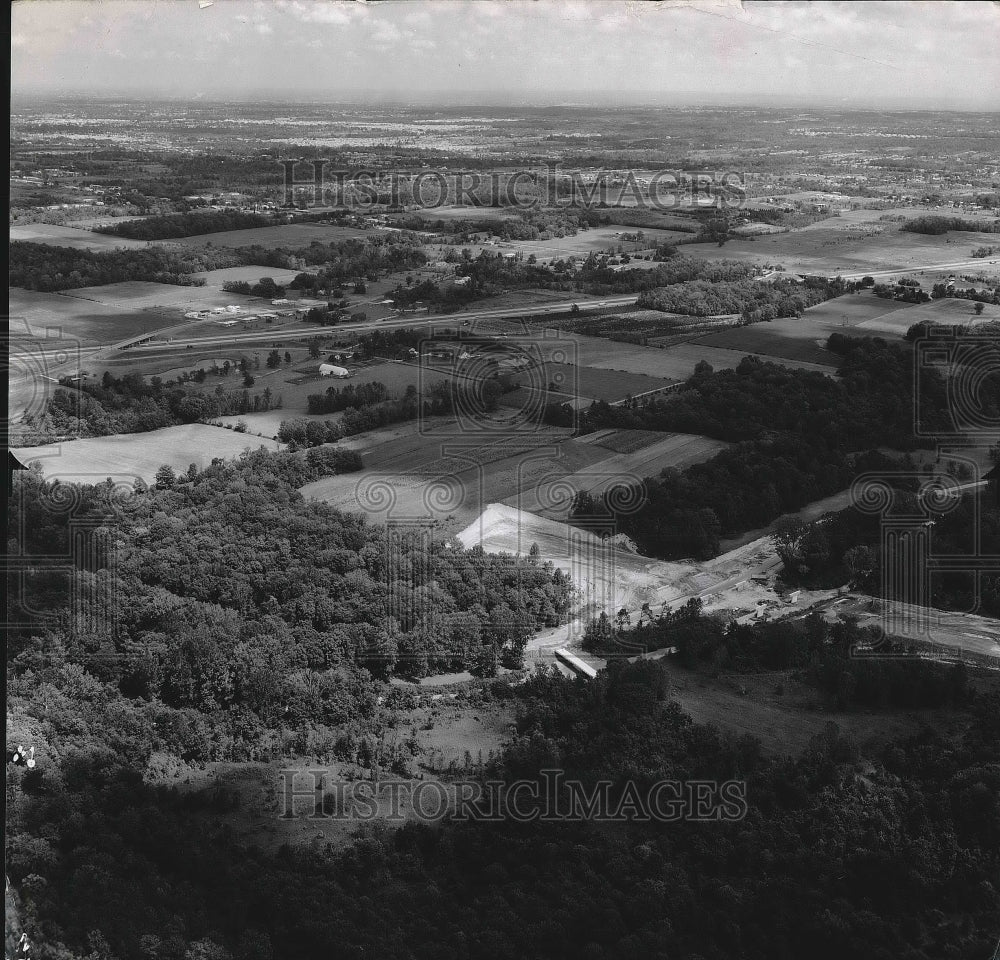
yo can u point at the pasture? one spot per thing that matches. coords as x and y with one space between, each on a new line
785 341
126 457
642 367
56 235
594 383
670 363
142 295
214 279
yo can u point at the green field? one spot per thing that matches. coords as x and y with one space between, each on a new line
214 279
656 454
75 237
593 383
126 457
89 322
143 294
448 471
675 362
945 311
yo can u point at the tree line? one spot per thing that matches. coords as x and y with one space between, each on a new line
937 225
173 226
39 266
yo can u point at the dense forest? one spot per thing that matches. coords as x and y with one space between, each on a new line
176 225
214 557
797 437
867 851
39 266
753 300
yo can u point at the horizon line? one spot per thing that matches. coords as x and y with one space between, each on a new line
504 99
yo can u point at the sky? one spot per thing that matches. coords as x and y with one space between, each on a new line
912 54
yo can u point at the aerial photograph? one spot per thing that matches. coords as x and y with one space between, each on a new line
503 480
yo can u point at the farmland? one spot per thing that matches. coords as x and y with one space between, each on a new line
666 363
283 235
948 310
591 383
126 457
628 457
66 236
90 322
214 279
854 245
141 295
676 362
447 472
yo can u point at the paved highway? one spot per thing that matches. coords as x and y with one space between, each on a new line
952 265
411 320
